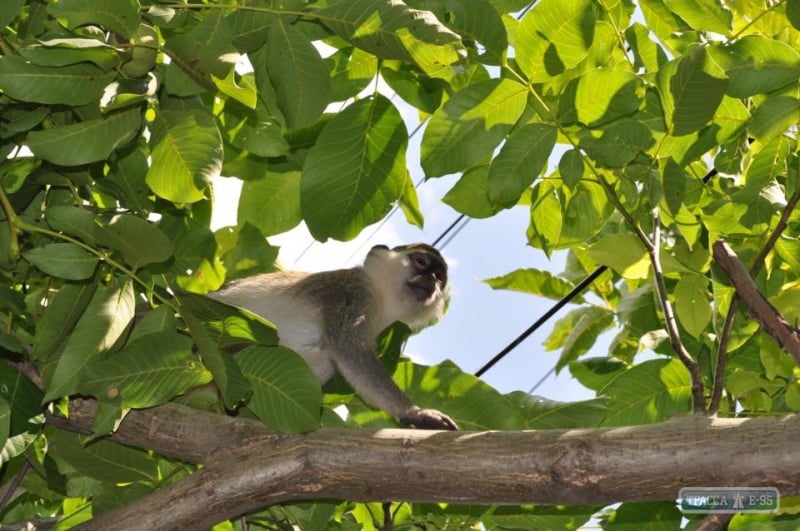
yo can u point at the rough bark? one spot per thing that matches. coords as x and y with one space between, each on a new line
586 466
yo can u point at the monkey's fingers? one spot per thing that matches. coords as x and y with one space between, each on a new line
429 419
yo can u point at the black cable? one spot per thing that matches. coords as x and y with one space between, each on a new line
455 233
543 319
447 230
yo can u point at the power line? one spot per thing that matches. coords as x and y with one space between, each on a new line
543 319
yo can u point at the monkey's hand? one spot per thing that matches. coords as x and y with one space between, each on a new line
427 419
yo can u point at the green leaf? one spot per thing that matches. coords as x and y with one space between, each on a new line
228 378
646 52
186 154
271 203
535 282
553 36
650 392
196 266
756 65
103 460
409 204
605 94
106 318
470 125
5 420
521 159
703 15
72 220
11 10
571 167
674 183
586 324
596 373
84 142
691 304
691 88
139 241
23 397
63 260
70 85
227 324
250 255
543 414
468 195
623 253
392 30
355 171
286 394
121 17
147 372
62 312
547 219
774 117
298 73
480 21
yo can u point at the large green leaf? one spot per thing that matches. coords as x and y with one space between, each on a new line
774 117
553 36
355 171
468 195
391 30
286 394
521 159
85 142
186 156
470 125
63 310
652 391
480 21
543 414
103 460
63 260
139 241
70 85
756 64
121 17
23 397
271 203
692 305
605 94
147 372
691 88
703 15
578 332
105 319
535 282
298 73
622 252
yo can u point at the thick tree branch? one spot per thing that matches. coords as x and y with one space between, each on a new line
638 463
758 306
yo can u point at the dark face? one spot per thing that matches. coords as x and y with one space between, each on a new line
429 269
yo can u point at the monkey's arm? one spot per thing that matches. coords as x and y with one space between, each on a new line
366 375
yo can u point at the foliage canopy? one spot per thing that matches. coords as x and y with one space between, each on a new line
638 134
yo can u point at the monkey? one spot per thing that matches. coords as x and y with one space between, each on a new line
333 318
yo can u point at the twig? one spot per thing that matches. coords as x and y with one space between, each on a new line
698 405
758 306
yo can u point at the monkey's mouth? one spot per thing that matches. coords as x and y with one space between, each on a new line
422 286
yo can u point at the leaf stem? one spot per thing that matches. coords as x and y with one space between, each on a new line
671 322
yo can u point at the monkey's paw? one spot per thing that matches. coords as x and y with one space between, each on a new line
428 419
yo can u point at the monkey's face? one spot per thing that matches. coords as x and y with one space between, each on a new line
416 275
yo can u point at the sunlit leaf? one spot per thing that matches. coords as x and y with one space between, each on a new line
470 125
535 282
691 304
355 171
555 35
703 15
521 159
286 394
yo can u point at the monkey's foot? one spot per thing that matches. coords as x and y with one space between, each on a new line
428 419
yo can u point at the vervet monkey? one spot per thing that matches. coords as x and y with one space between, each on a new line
333 318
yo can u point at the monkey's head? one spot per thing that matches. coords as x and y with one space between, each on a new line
414 277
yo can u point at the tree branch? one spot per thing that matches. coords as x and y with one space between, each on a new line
758 306
542 467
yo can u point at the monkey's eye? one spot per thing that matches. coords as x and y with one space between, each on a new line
421 261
